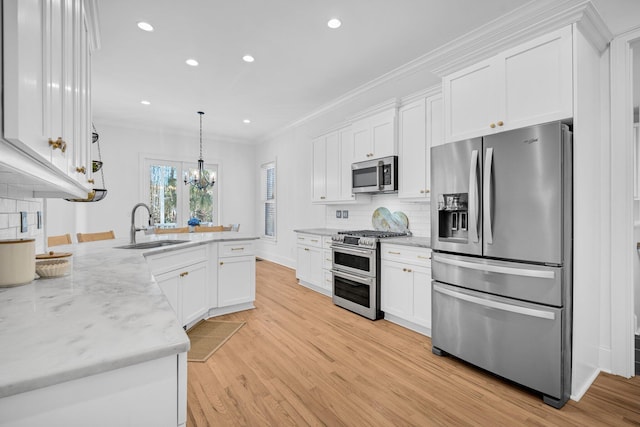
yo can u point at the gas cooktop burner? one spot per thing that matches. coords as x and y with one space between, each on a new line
373 233
364 238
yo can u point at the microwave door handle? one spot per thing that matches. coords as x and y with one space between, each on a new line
380 174
473 197
488 175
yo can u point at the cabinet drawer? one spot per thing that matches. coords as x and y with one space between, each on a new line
328 281
310 240
238 248
171 260
406 254
326 242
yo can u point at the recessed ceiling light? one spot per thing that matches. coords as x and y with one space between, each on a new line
248 58
192 62
246 121
145 26
145 102
334 23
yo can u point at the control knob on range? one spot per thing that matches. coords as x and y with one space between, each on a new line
368 242
338 238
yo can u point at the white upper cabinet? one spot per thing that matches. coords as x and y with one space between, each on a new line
46 97
332 158
419 126
375 136
522 86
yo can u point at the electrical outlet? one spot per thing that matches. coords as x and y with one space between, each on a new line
24 223
345 214
338 214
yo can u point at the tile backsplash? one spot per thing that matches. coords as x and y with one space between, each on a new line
360 215
10 218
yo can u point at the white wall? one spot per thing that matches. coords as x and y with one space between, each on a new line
292 151
122 149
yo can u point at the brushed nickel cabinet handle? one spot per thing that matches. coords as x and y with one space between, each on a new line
492 125
500 123
184 273
393 253
237 249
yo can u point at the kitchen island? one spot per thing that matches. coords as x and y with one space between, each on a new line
107 321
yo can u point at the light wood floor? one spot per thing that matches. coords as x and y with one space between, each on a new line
300 360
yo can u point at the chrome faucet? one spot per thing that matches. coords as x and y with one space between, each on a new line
133 221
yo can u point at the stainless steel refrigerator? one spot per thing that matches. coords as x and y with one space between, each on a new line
501 234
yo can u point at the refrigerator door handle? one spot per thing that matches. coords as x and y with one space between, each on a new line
488 163
473 197
496 304
540 274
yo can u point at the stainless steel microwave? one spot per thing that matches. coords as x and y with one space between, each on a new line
375 176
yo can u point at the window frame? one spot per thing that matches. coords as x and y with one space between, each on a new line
182 193
264 167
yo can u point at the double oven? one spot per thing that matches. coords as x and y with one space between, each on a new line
356 271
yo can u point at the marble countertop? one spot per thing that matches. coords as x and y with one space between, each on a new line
106 314
421 242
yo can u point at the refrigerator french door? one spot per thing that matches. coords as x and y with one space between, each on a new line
501 232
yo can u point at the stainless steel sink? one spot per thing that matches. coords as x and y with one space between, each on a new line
153 244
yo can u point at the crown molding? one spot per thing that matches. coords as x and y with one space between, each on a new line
425 93
534 19
91 15
389 104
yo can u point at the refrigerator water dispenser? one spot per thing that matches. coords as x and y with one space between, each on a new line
453 217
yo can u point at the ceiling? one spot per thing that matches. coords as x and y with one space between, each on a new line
300 64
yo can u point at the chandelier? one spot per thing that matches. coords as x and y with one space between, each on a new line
200 177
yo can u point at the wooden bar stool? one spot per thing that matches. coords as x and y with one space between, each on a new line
63 239
92 237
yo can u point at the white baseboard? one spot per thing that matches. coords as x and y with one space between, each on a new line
287 262
408 324
315 288
576 395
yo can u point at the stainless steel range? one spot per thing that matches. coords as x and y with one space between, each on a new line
356 270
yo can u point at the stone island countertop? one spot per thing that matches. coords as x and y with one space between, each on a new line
108 313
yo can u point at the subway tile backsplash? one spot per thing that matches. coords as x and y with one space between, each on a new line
360 215
11 204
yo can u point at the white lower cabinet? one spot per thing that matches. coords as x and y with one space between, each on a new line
406 286
236 274
313 268
207 280
152 393
185 286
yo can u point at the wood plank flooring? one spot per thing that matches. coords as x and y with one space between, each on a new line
300 360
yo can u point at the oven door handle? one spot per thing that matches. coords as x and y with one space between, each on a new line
352 250
353 277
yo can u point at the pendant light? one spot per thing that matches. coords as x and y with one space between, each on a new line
200 178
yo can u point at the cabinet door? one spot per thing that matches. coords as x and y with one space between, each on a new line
303 263
383 134
422 296
346 159
412 150
536 83
396 289
236 280
435 121
53 78
193 284
361 136
470 101
23 64
319 174
333 166
169 283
